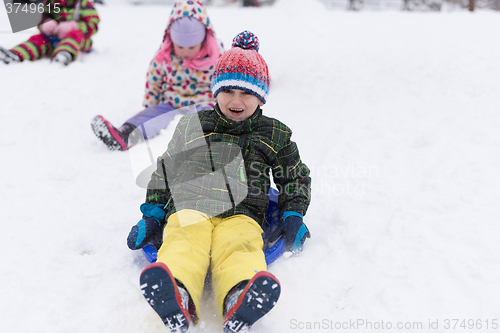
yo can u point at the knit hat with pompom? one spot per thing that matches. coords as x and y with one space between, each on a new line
243 68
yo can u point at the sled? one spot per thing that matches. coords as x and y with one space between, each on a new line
272 251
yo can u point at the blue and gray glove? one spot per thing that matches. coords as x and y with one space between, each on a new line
293 230
144 231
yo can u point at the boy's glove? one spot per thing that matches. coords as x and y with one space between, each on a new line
293 230
144 231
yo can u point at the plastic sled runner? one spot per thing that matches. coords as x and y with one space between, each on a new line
271 251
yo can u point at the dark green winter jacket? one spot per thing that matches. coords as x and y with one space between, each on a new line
222 167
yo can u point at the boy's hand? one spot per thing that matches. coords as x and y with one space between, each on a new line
145 230
293 230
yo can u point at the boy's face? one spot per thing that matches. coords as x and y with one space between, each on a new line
187 53
237 105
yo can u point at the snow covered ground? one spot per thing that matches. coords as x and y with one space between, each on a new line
397 114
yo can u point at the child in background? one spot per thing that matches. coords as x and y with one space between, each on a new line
179 76
66 29
211 188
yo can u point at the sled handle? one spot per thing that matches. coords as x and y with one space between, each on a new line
150 253
275 251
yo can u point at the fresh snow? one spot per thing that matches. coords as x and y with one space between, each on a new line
396 113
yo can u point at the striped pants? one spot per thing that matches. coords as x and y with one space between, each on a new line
39 46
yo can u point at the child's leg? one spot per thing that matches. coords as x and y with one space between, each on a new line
153 119
71 43
150 121
237 254
36 47
86 45
186 250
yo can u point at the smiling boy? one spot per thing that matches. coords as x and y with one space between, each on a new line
213 182
237 105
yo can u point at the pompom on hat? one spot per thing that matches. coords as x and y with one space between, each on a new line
243 68
187 31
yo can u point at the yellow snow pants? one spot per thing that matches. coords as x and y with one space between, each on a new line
231 247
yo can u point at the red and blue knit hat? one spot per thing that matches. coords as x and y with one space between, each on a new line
242 67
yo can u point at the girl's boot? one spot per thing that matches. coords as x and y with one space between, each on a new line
115 138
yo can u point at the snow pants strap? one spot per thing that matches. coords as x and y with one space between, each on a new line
233 244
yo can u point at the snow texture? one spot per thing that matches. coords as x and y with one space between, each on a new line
396 114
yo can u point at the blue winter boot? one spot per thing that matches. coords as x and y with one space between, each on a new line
244 306
169 300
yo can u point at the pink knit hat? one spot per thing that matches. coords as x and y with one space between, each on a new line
187 31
